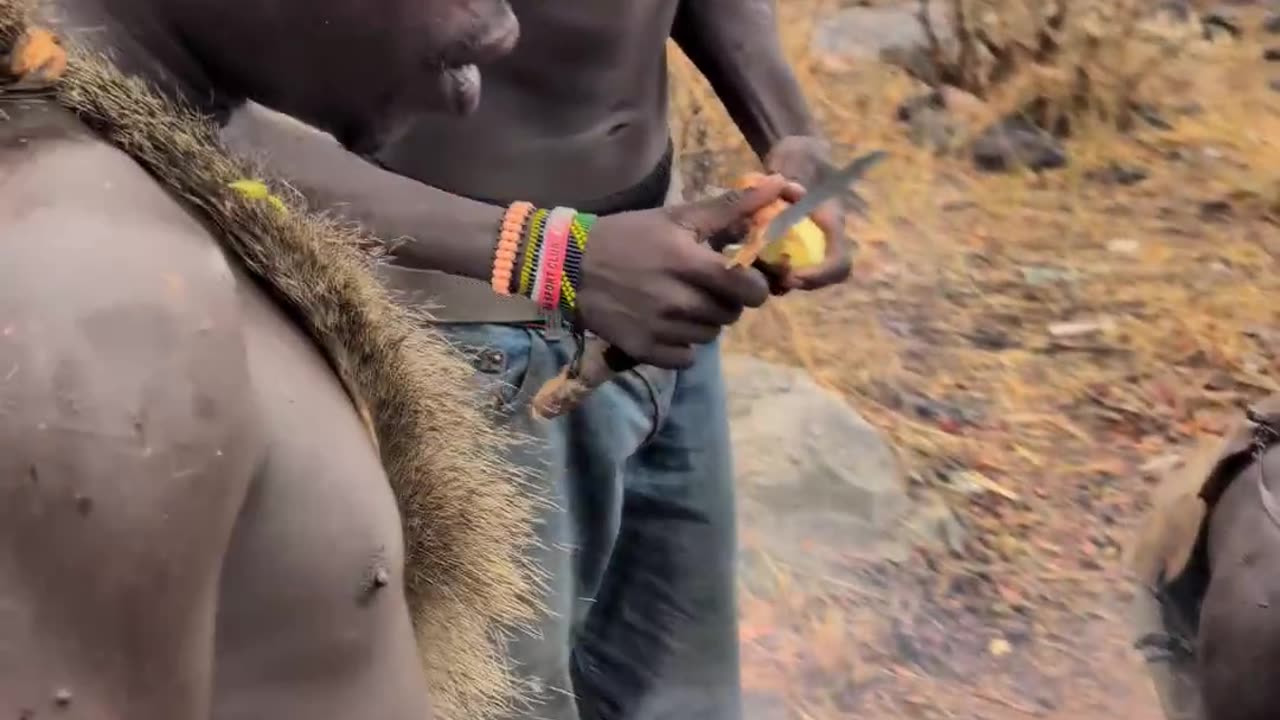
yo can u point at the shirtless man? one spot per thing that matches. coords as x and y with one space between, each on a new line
642 547
174 448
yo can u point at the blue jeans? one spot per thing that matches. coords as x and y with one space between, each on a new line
640 546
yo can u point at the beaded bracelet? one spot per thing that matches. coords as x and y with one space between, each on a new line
550 271
532 244
514 221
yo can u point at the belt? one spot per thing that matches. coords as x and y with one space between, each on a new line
453 299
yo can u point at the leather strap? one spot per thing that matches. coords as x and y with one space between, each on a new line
453 299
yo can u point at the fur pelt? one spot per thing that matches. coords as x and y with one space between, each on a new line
468 520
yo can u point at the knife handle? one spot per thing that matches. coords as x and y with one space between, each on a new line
597 364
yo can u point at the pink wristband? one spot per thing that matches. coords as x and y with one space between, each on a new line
555 240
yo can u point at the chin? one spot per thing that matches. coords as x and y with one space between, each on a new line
453 91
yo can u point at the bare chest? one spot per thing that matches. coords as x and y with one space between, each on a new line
564 31
312 609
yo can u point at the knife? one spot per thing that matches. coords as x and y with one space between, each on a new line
597 361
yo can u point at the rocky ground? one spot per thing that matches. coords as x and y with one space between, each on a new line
943 461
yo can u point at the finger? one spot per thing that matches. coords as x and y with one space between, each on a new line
712 215
779 276
687 333
736 287
838 263
830 272
793 192
829 218
688 305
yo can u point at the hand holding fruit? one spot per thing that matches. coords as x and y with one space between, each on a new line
803 160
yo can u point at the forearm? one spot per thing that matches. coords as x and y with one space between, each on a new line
735 44
428 228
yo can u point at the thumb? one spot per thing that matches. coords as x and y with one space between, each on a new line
716 214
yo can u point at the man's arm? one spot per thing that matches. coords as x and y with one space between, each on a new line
649 285
125 452
735 44
442 231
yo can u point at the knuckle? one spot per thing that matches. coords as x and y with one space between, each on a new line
684 308
675 215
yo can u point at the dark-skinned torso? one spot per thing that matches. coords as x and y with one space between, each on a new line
576 112
301 514
272 472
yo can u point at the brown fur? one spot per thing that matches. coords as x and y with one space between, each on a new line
467 517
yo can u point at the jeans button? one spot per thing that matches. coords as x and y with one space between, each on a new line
491 361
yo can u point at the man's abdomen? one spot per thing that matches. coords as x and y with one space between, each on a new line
577 112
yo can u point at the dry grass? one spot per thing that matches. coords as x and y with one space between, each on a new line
958 281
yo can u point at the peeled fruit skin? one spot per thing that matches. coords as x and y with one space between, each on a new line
803 245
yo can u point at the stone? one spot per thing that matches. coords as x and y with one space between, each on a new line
817 482
927 121
965 105
938 118
1220 24
932 100
1119 174
1175 9
1216 210
1016 142
889 33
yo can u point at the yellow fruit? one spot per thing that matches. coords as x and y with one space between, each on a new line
803 246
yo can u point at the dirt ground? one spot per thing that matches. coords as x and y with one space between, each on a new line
1039 348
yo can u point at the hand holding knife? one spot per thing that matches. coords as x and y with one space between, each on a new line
598 361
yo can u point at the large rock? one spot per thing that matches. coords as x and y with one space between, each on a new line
817 482
890 33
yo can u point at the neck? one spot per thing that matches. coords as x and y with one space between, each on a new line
142 39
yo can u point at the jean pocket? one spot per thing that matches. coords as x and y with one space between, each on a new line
500 355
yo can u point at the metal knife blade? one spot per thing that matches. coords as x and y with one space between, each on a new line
833 186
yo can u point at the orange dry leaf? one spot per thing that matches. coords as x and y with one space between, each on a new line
38 56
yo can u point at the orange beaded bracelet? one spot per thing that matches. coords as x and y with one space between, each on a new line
504 257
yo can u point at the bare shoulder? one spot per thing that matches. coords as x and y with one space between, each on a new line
126 435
